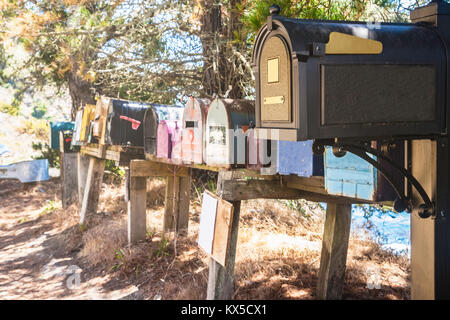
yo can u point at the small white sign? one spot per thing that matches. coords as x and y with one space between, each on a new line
207 223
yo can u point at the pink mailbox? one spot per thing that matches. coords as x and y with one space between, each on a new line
177 144
164 138
194 118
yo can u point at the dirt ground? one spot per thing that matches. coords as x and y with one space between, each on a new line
45 254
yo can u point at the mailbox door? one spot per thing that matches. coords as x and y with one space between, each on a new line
176 145
296 157
349 176
162 140
275 83
217 137
193 124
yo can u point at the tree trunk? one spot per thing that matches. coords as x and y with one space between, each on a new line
220 64
81 91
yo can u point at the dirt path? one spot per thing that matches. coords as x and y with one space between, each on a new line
32 264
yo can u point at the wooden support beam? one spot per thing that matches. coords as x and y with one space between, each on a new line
127 185
273 189
177 200
92 187
82 169
221 278
423 231
334 251
69 165
137 210
145 168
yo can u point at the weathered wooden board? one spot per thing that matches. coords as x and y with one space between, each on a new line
334 251
92 187
207 222
137 210
423 246
69 179
222 231
146 168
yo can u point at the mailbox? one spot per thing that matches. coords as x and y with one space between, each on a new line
152 118
100 114
87 122
297 157
165 135
284 157
193 130
320 79
354 177
225 132
124 123
259 151
55 128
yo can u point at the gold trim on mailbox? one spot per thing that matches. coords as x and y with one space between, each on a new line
274 100
273 70
341 43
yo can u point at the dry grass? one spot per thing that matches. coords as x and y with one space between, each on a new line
277 258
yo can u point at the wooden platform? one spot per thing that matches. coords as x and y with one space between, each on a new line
119 154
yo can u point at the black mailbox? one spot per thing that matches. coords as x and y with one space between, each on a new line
332 79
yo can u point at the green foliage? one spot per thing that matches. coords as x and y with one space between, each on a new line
113 171
295 205
163 248
46 153
9 109
119 254
39 110
353 10
49 207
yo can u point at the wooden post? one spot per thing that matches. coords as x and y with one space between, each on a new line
176 204
221 279
137 210
92 187
69 178
334 251
83 167
127 185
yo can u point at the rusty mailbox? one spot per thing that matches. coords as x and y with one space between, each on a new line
225 132
193 130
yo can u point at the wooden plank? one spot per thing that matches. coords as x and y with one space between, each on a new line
222 232
273 189
184 203
83 167
313 184
127 185
92 187
423 257
177 201
207 222
221 278
146 168
137 210
334 251
171 203
152 157
69 179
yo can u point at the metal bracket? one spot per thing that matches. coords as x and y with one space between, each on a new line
403 202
